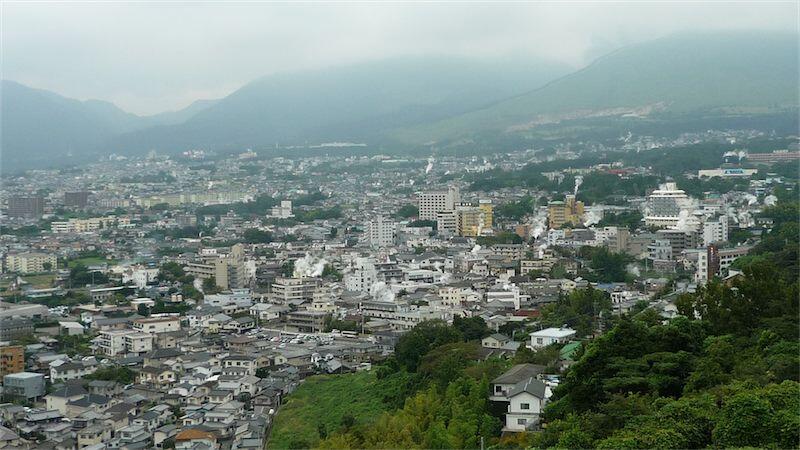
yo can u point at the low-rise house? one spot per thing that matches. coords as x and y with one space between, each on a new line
548 336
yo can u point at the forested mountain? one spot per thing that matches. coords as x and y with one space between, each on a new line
357 103
721 80
40 127
720 73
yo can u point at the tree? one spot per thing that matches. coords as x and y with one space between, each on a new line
256 236
407 211
413 345
210 285
471 328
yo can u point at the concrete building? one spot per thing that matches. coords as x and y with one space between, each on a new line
570 211
286 290
123 342
157 324
664 206
283 211
306 321
26 385
78 199
432 202
471 221
12 328
32 262
488 213
447 222
381 232
715 262
26 207
715 231
12 359
543 338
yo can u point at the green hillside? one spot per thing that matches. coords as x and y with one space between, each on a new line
324 400
720 73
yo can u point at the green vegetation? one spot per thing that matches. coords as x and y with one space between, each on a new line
325 400
515 210
503 237
80 275
407 211
583 310
627 219
606 266
256 236
121 375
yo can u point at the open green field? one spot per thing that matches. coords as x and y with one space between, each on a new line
324 399
90 261
41 281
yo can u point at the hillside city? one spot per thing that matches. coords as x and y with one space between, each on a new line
203 300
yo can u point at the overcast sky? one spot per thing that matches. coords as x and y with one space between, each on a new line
152 57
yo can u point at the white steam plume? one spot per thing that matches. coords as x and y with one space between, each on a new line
308 267
381 291
578 183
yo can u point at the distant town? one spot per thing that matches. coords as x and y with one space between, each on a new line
182 301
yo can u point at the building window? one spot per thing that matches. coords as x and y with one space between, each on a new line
525 406
539 340
522 421
498 389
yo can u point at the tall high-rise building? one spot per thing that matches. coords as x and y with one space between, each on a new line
561 213
230 271
471 221
664 206
715 231
488 213
432 202
26 207
381 232
77 199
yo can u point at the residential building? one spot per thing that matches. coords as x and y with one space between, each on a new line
26 385
12 359
28 207
715 231
32 262
570 211
548 336
157 324
77 199
381 232
431 202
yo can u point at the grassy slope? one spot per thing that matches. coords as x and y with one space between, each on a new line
325 399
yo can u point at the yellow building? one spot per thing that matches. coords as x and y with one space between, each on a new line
470 221
569 211
488 213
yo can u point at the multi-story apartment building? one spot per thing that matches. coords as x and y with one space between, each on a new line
570 211
26 207
381 232
31 262
157 324
715 231
715 262
12 359
293 289
432 202
87 225
123 342
77 199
